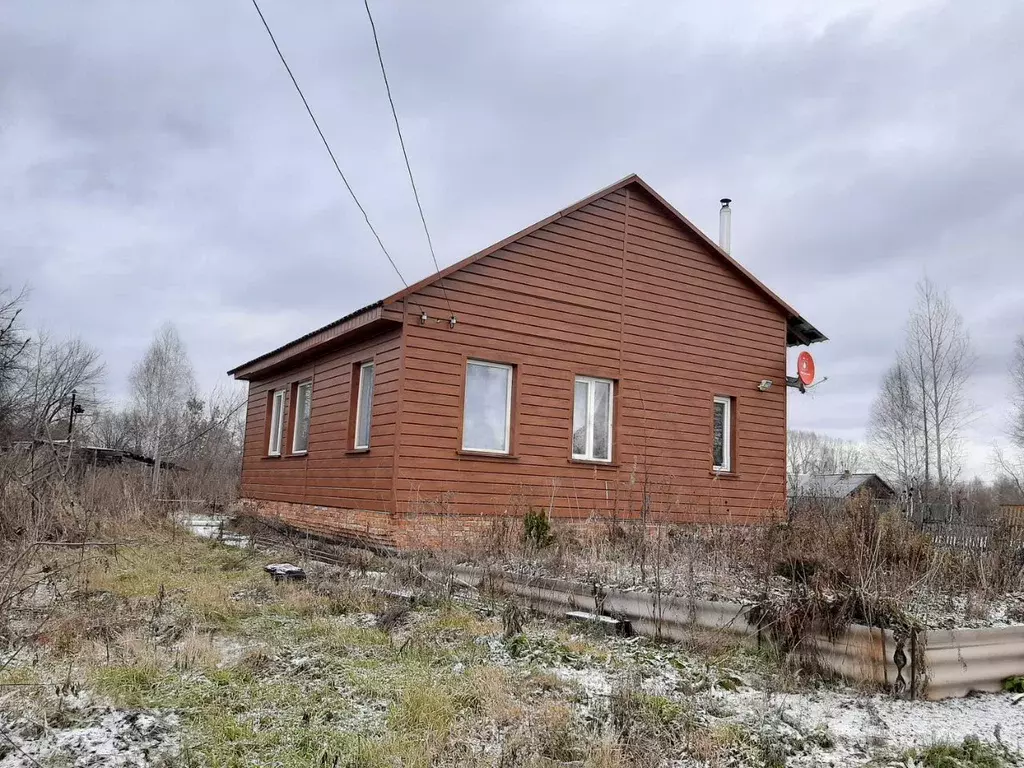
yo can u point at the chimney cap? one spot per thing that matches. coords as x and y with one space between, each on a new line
725 201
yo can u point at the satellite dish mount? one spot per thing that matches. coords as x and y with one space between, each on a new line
804 378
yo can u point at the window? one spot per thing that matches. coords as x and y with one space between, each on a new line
592 419
303 408
721 449
364 406
276 422
486 423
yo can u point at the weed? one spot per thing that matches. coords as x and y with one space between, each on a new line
132 685
971 753
512 619
648 726
537 529
1014 684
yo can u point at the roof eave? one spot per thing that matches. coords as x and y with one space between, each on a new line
799 332
333 333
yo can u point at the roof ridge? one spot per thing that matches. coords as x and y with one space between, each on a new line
796 326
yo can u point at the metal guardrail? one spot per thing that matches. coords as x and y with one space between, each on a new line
955 662
938 663
963 660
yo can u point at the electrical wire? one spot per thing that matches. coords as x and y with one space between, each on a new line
327 146
220 422
405 154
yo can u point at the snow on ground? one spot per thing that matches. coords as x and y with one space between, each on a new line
108 738
868 721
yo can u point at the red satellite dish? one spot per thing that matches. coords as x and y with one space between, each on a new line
805 368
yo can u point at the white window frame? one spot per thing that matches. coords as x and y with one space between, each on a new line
508 407
365 446
276 423
308 385
726 465
590 381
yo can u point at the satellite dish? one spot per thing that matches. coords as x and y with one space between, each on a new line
805 368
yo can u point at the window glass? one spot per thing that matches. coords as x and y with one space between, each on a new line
592 419
602 423
364 406
579 418
721 434
276 421
488 401
303 409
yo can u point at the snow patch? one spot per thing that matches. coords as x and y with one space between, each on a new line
115 739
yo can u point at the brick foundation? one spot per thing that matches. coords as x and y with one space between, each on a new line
354 525
431 531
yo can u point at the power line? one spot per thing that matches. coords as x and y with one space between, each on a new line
327 146
220 422
405 154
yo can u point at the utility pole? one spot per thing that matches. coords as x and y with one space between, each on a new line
75 408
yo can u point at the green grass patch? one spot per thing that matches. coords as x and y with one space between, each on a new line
133 685
1014 684
970 753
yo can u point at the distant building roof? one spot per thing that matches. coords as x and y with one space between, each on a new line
96 454
840 485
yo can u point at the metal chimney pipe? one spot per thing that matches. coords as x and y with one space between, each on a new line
725 226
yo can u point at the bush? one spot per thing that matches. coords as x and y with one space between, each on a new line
537 528
971 753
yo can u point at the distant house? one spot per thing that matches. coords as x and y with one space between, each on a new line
603 361
839 486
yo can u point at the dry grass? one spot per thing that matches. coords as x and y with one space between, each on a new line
297 674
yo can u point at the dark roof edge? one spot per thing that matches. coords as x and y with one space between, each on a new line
798 330
303 338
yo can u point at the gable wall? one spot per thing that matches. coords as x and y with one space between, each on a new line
617 289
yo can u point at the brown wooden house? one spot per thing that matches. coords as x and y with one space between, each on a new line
601 364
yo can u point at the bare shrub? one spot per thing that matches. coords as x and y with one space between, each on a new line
649 728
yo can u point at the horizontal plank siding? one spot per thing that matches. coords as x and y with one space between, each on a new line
330 473
617 289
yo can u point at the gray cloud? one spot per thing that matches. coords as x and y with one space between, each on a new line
155 163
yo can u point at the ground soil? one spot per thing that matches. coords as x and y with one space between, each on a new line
184 652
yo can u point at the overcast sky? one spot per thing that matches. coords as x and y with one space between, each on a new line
156 164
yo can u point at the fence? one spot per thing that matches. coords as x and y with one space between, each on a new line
951 525
979 538
952 536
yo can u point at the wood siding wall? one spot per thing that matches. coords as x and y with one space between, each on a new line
617 289
330 474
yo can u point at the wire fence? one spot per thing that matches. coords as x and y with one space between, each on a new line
951 525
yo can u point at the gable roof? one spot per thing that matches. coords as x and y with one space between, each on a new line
835 486
798 330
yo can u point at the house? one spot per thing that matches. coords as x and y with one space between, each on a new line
840 486
601 364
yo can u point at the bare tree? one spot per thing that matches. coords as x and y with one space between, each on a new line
896 430
161 382
214 429
13 343
120 429
54 372
1017 383
939 358
810 453
1010 463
